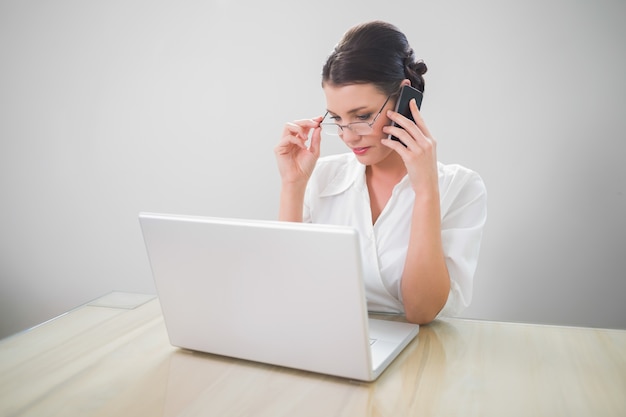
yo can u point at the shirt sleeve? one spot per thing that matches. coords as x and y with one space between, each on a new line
464 213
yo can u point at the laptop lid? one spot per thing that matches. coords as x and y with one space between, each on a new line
288 294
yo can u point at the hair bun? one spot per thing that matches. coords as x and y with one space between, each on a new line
420 67
414 71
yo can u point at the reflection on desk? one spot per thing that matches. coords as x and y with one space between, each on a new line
112 357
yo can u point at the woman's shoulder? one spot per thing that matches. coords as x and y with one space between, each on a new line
336 160
333 174
456 178
342 164
457 172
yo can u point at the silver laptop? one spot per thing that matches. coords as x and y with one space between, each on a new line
287 294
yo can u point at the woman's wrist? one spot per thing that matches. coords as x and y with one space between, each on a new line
294 185
291 201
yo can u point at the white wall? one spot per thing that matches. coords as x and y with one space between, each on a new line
110 108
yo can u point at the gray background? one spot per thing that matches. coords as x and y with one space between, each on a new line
111 108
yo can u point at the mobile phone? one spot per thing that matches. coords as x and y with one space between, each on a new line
402 106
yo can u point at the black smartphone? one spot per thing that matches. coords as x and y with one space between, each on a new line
402 106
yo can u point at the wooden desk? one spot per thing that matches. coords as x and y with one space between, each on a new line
112 357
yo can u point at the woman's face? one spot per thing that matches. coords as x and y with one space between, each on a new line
360 103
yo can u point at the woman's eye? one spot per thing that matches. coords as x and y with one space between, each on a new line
364 117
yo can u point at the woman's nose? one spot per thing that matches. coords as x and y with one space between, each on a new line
348 135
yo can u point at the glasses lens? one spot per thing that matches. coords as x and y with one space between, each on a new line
358 128
361 128
331 129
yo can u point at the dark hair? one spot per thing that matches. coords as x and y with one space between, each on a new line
374 52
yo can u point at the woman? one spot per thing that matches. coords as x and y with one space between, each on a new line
420 222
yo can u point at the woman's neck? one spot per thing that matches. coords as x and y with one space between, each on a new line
391 169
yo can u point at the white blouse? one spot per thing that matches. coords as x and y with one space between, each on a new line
337 194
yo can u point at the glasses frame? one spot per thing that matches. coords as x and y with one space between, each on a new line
350 125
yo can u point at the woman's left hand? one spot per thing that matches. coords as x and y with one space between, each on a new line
420 153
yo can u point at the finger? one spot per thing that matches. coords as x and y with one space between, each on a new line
302 127
294 129
316 139
286 147
288 140
426 140
317 125
419 121
398 132
309 122
412 141
402 121
412 133
394 144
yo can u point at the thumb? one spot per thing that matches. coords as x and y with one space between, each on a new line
316 139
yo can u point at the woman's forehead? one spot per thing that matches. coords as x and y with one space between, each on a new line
351 97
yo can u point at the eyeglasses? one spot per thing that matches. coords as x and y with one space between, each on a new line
358 128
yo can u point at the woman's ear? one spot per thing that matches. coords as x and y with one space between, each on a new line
404 82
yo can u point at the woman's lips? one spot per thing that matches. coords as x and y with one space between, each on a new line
360 151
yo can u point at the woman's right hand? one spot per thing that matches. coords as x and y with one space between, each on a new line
295 160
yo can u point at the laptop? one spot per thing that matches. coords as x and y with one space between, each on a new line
280 293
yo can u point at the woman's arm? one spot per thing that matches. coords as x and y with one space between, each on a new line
295 164
425 280
291 202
